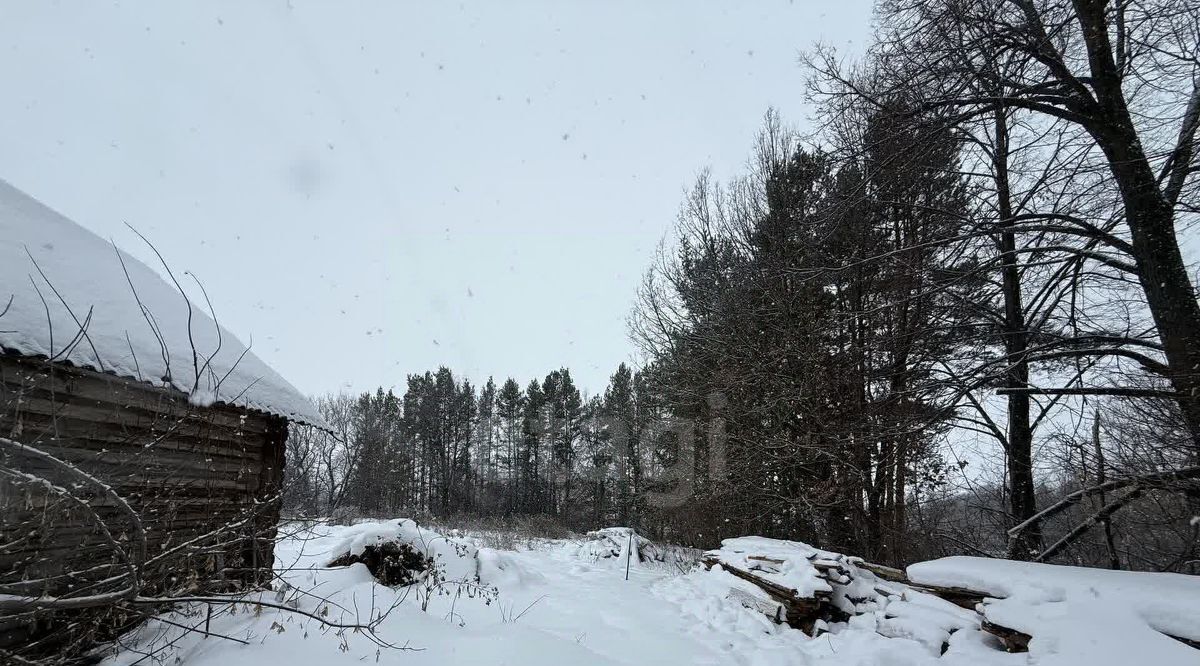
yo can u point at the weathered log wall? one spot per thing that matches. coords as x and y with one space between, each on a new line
203 480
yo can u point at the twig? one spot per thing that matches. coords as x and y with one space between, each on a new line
146 314
196 629
136 523
22 603
82 327
46 309
171 274
216 325
136 366
531 605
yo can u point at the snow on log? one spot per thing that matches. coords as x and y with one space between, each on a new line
400 552
816 587
1152 617
782 604
1053 612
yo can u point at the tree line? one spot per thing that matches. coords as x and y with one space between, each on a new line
445 447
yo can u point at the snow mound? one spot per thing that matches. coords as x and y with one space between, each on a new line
1081 615
456 559
615 544
84 286
504 570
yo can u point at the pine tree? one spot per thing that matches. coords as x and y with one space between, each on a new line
620 423
533 429
563 412
510 406
486 454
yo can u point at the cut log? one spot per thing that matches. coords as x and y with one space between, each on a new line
798 611
763 558
802 612
962 597
1014 641
832 570
958 596
769 607
889 574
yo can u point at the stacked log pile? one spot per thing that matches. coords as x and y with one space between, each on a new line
808 588
853 587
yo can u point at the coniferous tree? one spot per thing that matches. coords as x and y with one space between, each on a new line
620 423
510 406
486 451
529 456
564 411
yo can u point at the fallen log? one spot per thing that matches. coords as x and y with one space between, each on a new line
798 611
1014 641
961 597
840 572
771 608
887 573
958 596
764 558
802 612
827 567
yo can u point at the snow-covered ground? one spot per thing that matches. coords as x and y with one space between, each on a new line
556 602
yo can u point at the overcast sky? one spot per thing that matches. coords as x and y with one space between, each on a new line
373 189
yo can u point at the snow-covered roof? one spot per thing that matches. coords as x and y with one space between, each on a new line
83 285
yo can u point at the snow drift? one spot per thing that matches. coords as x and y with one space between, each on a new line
446 558
622 544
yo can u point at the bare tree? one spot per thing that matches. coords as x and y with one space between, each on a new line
1127 75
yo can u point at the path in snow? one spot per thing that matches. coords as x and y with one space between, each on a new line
649 619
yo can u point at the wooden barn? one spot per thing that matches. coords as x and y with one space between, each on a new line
141 444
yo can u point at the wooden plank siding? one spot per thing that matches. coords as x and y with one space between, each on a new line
186 470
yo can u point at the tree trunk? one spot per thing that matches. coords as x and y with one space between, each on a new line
1114 560
899 519
1022 499
1170 295
1164 279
